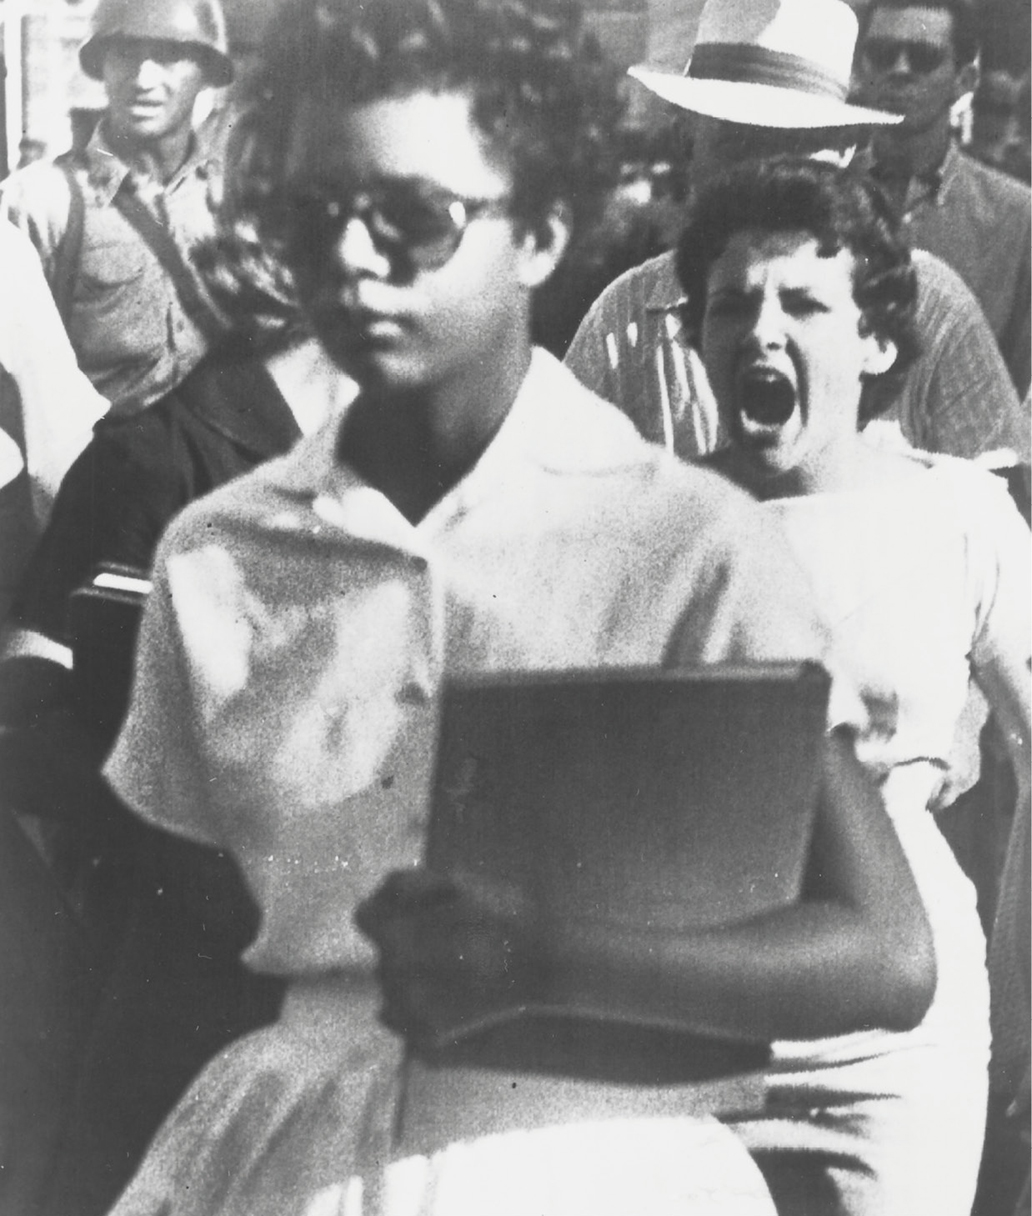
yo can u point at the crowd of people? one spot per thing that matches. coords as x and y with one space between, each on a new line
385 373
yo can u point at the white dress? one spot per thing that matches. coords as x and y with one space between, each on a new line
919 582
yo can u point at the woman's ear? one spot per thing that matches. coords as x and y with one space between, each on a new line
544 245
879 355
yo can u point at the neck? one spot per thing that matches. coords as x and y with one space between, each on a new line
912 153
414 446
842 465
159 158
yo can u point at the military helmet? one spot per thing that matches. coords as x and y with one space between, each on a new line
197 24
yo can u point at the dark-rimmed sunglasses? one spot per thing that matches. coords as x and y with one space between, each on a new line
923 57
419 224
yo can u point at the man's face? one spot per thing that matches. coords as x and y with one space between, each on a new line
151 88
907 65
401 295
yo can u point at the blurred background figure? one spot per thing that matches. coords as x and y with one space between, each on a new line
998 134
47 406
918 61
151 926
115 222
29 151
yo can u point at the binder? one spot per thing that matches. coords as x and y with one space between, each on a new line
634 799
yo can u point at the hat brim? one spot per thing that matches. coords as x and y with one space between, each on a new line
758 105
218 68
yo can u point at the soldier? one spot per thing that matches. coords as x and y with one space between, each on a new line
115 225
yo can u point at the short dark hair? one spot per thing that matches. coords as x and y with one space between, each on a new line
966 31
841 208
543 95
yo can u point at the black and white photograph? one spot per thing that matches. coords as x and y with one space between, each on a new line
515 607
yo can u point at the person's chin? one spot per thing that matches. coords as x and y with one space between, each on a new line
371 364
770 449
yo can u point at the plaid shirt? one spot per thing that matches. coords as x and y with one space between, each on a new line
956 397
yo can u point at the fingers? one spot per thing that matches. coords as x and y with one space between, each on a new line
403 893
441 952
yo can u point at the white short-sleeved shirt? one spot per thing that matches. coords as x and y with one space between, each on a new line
299 628
921 582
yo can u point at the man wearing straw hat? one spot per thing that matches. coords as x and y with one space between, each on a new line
769 77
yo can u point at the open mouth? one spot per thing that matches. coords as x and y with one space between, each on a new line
766 397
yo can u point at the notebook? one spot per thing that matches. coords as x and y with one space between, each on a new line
631 798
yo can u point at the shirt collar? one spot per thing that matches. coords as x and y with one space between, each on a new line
239 399
665 294
554 425
106 171
931 186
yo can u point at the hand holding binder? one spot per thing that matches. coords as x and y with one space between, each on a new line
454 960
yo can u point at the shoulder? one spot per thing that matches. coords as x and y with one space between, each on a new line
17 253
967 483
41 185
250 501
32 304
571 426
966 499
38 199
999 189
936 278
618 318
653 282
942 295
148 452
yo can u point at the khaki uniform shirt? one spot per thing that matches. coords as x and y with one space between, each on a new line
128 327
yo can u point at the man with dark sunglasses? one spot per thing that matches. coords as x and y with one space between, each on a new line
918 60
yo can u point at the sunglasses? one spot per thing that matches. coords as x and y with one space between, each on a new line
413 222
924 58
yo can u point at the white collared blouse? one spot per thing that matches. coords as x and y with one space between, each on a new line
296 639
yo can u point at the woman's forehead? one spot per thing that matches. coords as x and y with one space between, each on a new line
430 135
794 255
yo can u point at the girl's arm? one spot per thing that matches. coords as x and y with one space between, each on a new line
855 952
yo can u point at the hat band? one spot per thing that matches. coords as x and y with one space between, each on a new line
740 64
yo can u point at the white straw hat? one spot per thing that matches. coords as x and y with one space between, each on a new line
769 63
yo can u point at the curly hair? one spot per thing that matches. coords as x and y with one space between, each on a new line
840 208
252 289
542 94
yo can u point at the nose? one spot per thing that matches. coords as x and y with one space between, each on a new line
356 251
900 65
767 331
148 73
